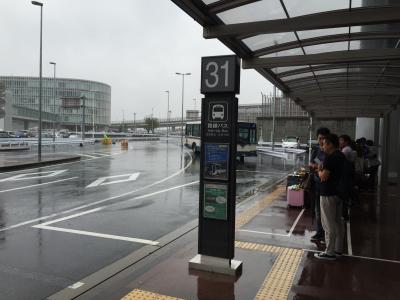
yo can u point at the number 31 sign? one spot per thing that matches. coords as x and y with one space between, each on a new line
220 74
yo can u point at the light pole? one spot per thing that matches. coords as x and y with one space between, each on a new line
123 120
93 127
183 93
152 120
134 122
167 113
40 82
194 99
274 108
83 98
54 99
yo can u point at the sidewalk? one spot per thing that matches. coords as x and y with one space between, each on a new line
278 263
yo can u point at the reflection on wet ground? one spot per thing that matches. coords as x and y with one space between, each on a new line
90 214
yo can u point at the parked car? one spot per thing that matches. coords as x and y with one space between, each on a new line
5 134
21 134
291 142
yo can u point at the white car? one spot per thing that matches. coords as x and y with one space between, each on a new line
291 142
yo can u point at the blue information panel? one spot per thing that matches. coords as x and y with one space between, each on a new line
216 161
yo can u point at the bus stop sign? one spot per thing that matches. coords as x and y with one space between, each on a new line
217 196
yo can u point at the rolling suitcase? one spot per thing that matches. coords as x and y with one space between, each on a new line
295 197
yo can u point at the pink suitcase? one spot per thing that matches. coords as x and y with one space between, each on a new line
295 197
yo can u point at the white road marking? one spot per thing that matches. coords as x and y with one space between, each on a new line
101 180
361 257
35 185
102 154
36 175
295 222
87 155
97 202
76 285
101 235
70 217
280 234
107 236
97 209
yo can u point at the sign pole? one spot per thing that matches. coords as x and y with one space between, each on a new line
220 82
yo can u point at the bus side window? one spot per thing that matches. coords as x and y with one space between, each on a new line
189 129
253 136
196 130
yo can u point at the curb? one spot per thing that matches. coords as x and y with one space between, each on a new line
38 164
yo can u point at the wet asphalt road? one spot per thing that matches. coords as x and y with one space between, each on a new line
91 213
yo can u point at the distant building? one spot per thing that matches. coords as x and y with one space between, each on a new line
284 107
192 114
61 105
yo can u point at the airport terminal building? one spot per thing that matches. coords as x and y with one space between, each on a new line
65 103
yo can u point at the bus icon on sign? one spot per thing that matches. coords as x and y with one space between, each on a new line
218 112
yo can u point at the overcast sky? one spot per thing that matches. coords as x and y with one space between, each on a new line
136 46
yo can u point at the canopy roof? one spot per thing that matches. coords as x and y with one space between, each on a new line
335 58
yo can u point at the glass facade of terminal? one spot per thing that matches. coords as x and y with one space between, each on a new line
57 97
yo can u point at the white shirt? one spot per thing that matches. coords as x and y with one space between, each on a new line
349 153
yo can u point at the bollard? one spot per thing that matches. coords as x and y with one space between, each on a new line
124 145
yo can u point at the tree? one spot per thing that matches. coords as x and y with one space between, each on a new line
151 124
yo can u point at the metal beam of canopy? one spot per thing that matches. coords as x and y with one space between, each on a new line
352 92
358 36
323 58
223 5
363 65
353 76
332 19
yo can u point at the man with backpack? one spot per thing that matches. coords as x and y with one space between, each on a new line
331 187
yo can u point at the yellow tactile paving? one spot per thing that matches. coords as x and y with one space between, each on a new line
279 280
144 295
254 210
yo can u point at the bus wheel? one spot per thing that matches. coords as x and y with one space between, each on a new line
194 147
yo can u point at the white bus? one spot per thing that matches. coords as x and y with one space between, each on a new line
246 139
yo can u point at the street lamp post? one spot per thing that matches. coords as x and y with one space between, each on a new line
167 114
54 99
152 120
123 120
134 122
40 82
183 93
93 126
83 98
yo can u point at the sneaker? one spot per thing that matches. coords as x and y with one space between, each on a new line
324 255
317 238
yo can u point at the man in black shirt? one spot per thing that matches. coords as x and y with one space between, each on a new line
331 174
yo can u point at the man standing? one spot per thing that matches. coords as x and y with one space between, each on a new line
331 205
317 159
344 145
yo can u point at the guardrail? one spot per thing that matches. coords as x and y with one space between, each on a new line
12 145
